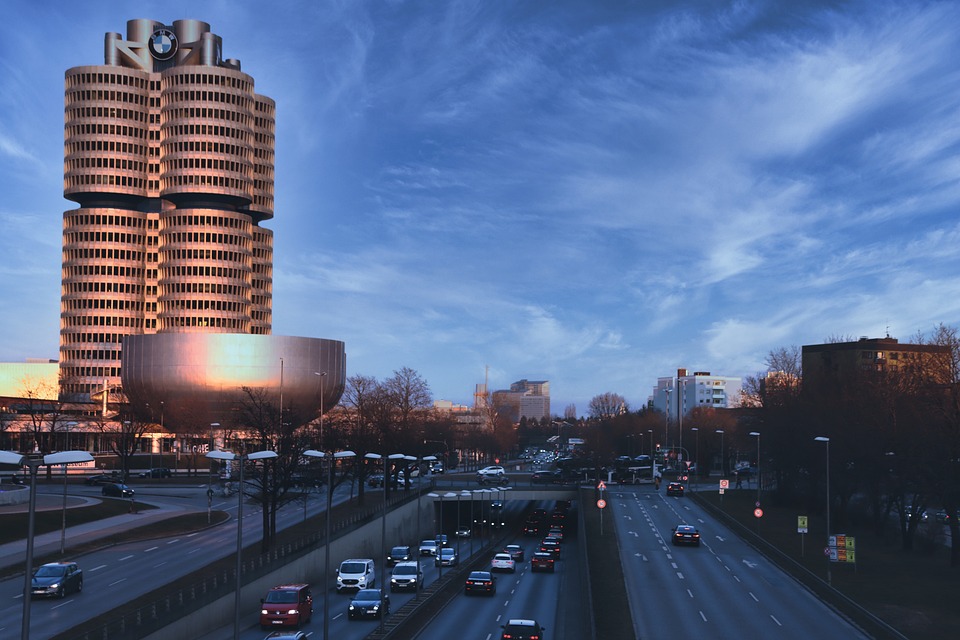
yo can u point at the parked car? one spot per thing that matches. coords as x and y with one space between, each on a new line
686 534
675 489
480 582
406 576
57 579
286 605
503 562
117 490
159 472
542 561
399 554
367 604
446 558
522 629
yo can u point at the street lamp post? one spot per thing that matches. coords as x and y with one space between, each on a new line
652 465
387 466
331 459
63 520
240 459
696 462
322 375
420 461
827 441
666 426
33 464
756 434
723 462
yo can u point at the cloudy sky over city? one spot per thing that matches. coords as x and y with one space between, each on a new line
591 193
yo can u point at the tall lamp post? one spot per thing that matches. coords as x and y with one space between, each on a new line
666 426
322 375
723 461
63 519
387 467
827 441
33 464
696 462
756 434
240 459
331 461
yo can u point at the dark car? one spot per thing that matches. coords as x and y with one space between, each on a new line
547 477
103 478
516 552
399 554
675 489
287 635
159 472
550 546
686 534
480 582
57 579
117 490
366 604
521 629
542 561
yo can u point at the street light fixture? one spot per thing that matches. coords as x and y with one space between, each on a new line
827 441
331 461
240 459
33 464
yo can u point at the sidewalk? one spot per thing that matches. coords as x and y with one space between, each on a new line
14 554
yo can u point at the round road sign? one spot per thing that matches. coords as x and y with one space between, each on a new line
601 503
758 513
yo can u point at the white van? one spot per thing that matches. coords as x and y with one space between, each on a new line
356 574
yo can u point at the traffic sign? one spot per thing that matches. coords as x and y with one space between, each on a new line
601 503
802 524
758 513
724 484
602 485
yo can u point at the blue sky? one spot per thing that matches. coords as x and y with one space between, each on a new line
592 193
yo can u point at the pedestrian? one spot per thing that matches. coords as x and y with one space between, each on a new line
739 480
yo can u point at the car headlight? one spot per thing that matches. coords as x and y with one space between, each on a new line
352 607
292 612
376 606
55 585
264 612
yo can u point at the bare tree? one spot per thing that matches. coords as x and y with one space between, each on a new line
122 430
607 405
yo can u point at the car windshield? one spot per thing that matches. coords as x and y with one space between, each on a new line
402 570
368 594
479 575
428 543
398 551
278 597
50 571
446 552
352 567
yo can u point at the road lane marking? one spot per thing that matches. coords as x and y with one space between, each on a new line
703 616
679 575
172 541
150 549
57 606
753 596
775 620
117 582
103 566
689 593
125 558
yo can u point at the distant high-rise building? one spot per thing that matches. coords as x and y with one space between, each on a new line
525 399
869 359
169 152
677 396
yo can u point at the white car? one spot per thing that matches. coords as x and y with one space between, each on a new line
428 548
503 562
495 470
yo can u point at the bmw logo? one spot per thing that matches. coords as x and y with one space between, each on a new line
163 44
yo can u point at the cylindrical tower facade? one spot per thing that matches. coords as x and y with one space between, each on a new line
169 152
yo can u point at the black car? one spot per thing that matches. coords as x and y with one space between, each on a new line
57 579
547 477
550 546
675 489
542 561
686 534
366 604
159 472
521 629
117 490
480 582
399 554
103 478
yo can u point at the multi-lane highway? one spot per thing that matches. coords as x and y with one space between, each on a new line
721 589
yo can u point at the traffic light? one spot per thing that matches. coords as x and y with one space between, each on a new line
658 447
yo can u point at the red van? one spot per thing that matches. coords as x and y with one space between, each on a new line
286 605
